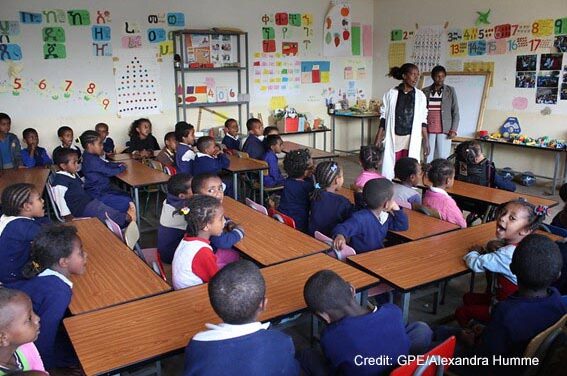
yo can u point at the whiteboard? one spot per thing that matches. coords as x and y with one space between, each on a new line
472 90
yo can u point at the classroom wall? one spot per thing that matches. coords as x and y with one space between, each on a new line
38 109
404 14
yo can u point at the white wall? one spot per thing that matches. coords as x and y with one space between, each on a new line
404 14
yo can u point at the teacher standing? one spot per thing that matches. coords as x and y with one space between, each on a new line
403 120
442 115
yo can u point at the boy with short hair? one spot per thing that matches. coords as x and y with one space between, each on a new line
65 134
34 155
408 172
209 159
231 139
274 146
184 155
167 155
269 131
10 148
253 144
366 229
354 331
107 142
240 345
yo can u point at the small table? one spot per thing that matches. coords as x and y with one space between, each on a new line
119 157
149 328
312 133
315 153
241 165
351 115
114 274
36 176
267 241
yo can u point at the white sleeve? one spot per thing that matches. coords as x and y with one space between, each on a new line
59 198
497 261
188 156
422 110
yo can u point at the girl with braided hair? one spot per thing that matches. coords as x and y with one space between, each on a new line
370 159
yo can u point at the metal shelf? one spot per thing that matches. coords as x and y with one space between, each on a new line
190 70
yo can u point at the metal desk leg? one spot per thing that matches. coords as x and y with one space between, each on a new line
325 141
405 302
314 140
235 185
137 203
333 134
361 131
491 152
261 173
362 298
555 168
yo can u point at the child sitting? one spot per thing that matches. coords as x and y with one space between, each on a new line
353 331
142 142
231 139
297 187
34 155
328 208
560 219
65 134
441 174
366 229
210 159
107 142
240 345
184 156
56 254
269 131
514 221
71 198
167 155
408 172
194 261
253 144
172 225
98 171
370 158
10 156
274 146
19 328
21 203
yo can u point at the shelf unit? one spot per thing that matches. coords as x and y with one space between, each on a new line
240 70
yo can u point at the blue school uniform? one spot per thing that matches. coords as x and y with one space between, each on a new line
328 211
274 177
16 235
171 227
254 147
295 201
39 159
207 164
365 232
98 172
10 156
230 142
50 293
184 156
108 145
227 239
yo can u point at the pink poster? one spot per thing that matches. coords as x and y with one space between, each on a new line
366 40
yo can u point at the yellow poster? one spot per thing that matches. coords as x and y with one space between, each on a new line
397 54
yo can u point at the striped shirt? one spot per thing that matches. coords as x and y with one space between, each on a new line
434 122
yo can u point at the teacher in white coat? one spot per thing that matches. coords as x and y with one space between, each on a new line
403 120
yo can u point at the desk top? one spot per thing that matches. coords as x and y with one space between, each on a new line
410 265
355 114
139 175
315 153
266 240
119 157
114 274
36 176
148 328
238 164
420 225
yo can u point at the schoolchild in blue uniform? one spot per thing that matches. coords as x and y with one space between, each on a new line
65 134
142 142
210 159
107 142
34 155
253 144
274 146
184 156
231 139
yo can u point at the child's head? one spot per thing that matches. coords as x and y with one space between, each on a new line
102 130
67 160
408 170
238 293
206 145
441 173
275 143
371 157
298 163
170 141
208 184
204 216
470 151
185 133
231 127
56 247
65 134
31 137
377 192
271 130
22 199
5 123
18 322
328 174
408 73
254 126
140 128
328 295
179 185
518 218
536 262
92 142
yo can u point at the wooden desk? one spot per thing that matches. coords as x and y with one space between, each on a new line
266 240
315 153
420 225
313 133
119 157
139 175
36 176
414 264
148 328
241 165
114 274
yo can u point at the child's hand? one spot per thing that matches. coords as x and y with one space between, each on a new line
230 225
493 245
339 242
391 205
477 248
355 188
467 337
